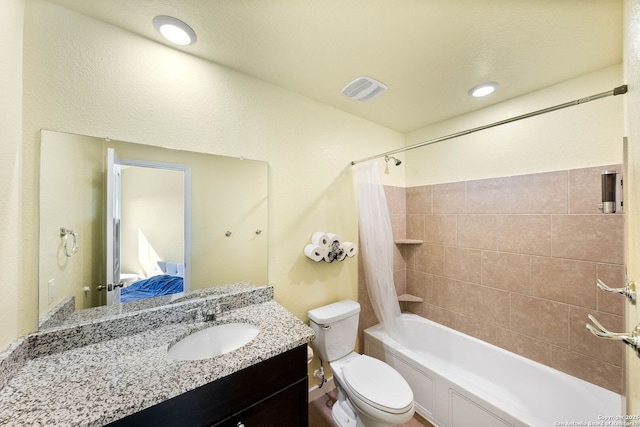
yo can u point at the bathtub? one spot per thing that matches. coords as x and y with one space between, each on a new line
460 381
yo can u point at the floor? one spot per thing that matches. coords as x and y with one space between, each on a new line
320 413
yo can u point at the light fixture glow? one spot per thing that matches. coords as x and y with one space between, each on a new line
483 90
174 30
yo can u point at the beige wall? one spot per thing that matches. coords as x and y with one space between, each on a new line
85 77
11 18
632 125
70 196
581 136
152 205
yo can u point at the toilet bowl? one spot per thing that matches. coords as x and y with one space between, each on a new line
373 390
370 392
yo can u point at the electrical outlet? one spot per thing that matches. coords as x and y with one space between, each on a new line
52 289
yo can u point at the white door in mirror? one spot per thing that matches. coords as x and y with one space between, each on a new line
213 341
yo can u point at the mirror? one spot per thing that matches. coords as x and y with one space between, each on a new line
200 217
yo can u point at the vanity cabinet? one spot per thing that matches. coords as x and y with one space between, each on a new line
270 393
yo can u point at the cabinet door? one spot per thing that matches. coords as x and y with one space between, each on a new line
288 407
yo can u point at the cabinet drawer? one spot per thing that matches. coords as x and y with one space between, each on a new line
288 407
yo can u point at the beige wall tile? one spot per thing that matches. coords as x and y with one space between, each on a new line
409 254
589 369
463 264
477 231
415 226
420 284
540 193
419 200
398 259
511 272
585 189
488 305
449 294
612 276
525 346
584 342
430 259
439 314
524 234
588 237
513 261
440 229
450 198
545 320
564 280
489 196
396 199
476 328
398 226
400 281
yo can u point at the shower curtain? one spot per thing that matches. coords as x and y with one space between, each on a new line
376 247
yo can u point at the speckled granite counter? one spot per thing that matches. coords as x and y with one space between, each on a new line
101 382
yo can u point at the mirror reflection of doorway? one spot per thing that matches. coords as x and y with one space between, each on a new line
153 223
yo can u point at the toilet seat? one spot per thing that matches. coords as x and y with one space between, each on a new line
378 385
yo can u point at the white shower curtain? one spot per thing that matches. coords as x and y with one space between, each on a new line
376 247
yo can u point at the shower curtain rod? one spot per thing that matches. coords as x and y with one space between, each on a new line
620 90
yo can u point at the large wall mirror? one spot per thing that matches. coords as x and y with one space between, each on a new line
121 222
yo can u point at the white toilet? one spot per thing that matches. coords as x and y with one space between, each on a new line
370 392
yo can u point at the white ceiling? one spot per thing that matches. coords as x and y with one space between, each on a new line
428 52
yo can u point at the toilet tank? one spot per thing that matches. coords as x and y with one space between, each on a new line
336 328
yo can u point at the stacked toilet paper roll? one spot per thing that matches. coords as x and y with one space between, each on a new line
315 252
329 247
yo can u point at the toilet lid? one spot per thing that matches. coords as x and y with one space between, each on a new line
378 384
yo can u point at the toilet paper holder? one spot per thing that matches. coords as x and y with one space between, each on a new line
329 247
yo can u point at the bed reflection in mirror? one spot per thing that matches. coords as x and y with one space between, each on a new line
148 221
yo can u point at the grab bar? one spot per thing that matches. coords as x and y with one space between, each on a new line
65 233
629 291
631 339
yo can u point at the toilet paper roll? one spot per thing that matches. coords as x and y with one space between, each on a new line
315 252
320 239
350 249
334 238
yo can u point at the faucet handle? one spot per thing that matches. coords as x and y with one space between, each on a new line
629 291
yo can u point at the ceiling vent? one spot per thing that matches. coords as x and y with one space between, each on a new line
364 89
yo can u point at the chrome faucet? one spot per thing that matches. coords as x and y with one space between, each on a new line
210 313
205 312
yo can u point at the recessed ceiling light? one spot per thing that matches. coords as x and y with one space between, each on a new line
483 90
174 30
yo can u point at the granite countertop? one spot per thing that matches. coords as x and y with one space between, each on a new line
99 383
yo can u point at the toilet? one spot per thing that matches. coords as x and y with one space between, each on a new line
370 392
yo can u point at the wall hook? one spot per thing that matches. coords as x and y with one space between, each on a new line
629 291
228 233
632 339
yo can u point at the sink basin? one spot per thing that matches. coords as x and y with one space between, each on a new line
213 341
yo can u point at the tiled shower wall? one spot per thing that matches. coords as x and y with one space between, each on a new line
513 261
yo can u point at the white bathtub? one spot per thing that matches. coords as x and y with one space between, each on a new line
460 381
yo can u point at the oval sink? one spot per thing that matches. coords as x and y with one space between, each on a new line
213 341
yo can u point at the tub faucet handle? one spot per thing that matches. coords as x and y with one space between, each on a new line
632 339
628 291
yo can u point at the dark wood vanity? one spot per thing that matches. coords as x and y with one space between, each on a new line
272 393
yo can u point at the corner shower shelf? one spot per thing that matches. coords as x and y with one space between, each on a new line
408 242
409 298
